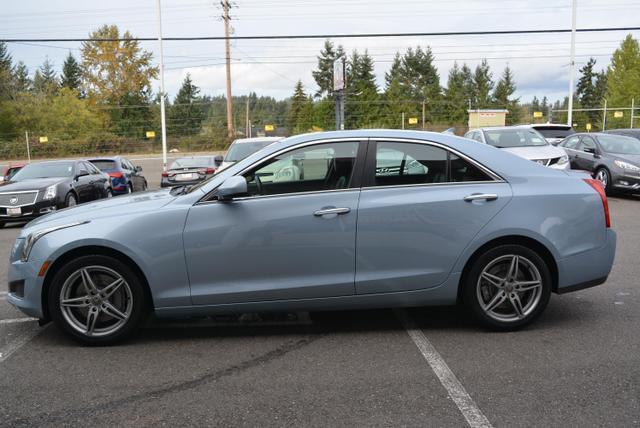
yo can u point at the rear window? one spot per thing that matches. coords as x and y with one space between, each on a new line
104 165
554 132
192 163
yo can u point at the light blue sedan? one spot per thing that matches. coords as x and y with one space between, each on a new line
326 221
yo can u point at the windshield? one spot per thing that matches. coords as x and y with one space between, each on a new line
619 144
239 151
44 170
554 132
514 137
104 165
192 163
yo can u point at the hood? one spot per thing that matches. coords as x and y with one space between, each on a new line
116 206
32 184
536 152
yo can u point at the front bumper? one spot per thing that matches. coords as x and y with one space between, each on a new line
588 268
29 212
25 287
625 181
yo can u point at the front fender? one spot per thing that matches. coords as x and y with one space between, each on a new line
152 240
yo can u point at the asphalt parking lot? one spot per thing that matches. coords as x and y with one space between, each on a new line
579 365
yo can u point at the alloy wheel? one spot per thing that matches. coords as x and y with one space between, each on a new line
602 177
96 301
509 288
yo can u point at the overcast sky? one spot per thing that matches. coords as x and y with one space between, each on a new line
272 67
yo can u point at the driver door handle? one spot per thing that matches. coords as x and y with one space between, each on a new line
328 211
479 196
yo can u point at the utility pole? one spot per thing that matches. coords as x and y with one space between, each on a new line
26 135
246 121
163 122
402 120
632 108
604 116
226 6
423 105
572 61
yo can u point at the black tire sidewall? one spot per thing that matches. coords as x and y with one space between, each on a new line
139 300
471 277
69 196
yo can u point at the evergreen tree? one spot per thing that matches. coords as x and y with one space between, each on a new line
71 74
469 85
483 85
535 104
324 74
623 76
301 113
455 97
186 113
21 80
544 106
45 81
502 96
6 73
361 106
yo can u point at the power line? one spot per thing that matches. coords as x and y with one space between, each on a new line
328 36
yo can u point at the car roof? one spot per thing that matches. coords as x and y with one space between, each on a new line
549 125
257 140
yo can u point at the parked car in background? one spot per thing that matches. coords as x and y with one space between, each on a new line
43 187
243 147
614 160
11 170
125 178
189 170
438 220
629 132
553 132
522 141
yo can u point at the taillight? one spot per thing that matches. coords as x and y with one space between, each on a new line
599 187
210 170
165 174
116 174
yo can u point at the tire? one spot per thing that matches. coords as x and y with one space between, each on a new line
114 295
604 176
145 186
493 297
109 193
70 200
130 188
2 224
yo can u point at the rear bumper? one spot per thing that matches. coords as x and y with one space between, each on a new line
171 183
587 269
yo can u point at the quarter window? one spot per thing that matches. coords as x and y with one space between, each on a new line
413 163
315 168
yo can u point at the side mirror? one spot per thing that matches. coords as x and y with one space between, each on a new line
218 159
590 150
232 187
138 168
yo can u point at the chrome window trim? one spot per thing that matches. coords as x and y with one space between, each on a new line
284 150
495 177
21 192
489 172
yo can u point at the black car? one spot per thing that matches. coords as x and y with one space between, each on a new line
612 159
43 187
191 170
125 178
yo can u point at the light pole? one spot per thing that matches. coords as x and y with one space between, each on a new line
572 62
163 122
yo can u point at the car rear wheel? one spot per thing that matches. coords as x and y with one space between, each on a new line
507 287
603 176
97 300
70 200
130 188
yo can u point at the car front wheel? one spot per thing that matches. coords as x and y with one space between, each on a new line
603 176
96 299
507 287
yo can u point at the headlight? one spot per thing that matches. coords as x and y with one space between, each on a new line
50 193
563 159
33 237
16 250
627 166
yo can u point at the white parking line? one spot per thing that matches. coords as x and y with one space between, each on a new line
17 320
469 409
13 345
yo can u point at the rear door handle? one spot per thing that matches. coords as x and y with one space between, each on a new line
328 211
479 196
